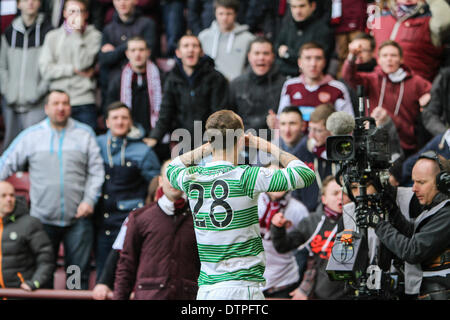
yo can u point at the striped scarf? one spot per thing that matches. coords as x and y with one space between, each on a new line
333 215
153 86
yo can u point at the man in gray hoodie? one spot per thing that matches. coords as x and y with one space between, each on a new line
66 177
21 84
68 58
226 41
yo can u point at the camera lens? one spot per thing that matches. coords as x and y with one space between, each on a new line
344 148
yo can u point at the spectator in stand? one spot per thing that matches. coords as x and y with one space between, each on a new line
282 271
139 87
365 61
316 232
419 27
26 252
66 176
21 85
302 26
159 259
68 59
348 18
200 14
439 144
126 23
264 16
436 114
313 87
53 10
129 167
105 282
227 41
312 149
148 8
192 91
393 87
258 90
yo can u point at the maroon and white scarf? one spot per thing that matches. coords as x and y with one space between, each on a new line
153 86
272 207
333 215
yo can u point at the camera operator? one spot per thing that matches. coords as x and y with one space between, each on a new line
424 244
404 199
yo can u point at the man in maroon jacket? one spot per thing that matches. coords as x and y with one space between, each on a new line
159 259
393 87
419 27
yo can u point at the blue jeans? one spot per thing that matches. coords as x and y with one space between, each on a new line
86 113
174 22
103 248
78 241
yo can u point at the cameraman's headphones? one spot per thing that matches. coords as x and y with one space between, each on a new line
443 177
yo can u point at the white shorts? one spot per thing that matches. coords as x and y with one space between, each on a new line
231 290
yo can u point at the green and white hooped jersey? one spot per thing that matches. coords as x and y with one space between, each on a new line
224 203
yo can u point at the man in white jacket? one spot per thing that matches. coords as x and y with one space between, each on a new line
66 176
21 83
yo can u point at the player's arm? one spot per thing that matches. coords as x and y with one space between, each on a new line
193 157
296 174
177 167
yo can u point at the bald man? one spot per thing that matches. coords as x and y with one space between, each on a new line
26 253
425 244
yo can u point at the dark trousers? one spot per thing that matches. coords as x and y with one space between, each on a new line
77 240
103 248
173 15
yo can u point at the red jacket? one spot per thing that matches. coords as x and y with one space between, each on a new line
414 37
402 108
159 259
352 18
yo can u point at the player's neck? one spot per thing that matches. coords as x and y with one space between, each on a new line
225 156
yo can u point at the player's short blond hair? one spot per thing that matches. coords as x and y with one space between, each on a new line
222 126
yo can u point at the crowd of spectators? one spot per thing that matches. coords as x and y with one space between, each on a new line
91 91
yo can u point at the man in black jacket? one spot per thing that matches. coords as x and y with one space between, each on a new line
258 90
301 27
193 90
26 253
126 23
425 244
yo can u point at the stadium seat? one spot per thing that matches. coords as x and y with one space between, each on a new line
21 182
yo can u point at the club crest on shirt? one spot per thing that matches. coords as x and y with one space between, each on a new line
13 235
324 97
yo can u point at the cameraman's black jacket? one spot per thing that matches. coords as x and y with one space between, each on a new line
324 288
422 246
